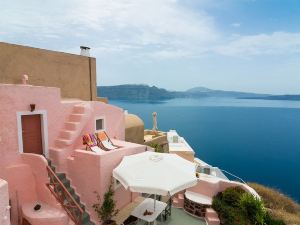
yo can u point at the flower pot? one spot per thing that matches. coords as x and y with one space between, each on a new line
109 222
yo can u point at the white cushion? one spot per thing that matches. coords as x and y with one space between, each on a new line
96 149
108 145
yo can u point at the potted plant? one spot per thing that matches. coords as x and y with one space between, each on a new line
107 210
157 147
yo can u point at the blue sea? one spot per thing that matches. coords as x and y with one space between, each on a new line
258 140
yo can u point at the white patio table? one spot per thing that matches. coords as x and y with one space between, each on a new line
147 204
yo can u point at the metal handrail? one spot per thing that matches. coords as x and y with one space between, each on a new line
65 198
231 174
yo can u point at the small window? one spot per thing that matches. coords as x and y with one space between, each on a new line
99 124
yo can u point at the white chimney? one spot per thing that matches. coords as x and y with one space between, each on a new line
85 51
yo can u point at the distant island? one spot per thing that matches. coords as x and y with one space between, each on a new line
277 97
141 92
136 93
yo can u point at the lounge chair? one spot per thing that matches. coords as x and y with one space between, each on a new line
104 141
91 143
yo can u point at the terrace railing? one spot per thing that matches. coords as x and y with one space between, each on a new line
234 176
63 196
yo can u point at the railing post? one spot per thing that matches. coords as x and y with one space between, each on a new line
64 197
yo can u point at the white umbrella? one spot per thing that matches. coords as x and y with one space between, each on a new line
155 173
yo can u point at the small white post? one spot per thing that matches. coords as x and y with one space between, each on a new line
154 117
154 202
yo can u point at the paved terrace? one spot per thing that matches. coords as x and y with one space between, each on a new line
179 217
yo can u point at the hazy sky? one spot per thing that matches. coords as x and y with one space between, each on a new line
243 45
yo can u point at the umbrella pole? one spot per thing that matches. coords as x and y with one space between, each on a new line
154 202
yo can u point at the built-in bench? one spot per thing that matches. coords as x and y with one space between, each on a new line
196 204
125 212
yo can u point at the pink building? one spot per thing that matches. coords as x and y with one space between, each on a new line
47 177
35 122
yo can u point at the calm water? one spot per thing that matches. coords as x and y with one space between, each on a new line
258 140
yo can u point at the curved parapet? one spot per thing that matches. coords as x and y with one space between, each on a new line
213 180
209 185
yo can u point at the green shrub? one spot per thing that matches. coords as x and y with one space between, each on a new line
226 204
252 209
237 207
270 221
232 196
157 147
107 209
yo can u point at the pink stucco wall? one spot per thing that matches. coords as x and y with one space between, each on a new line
17 98
27 184
114 125
38 165
26 173
91 172
114 122
4 210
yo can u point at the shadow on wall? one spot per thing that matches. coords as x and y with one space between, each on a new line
27 187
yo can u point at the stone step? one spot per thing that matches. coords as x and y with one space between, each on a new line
71 126
65 182
210 212
85 218
49 162
75 117
82 206
211 217
88 223
212 221
62 143
66 134
54 149
76 198
177 203
61 176
80 109
71 190
53 168
180 196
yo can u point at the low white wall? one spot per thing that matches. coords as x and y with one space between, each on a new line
4 203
